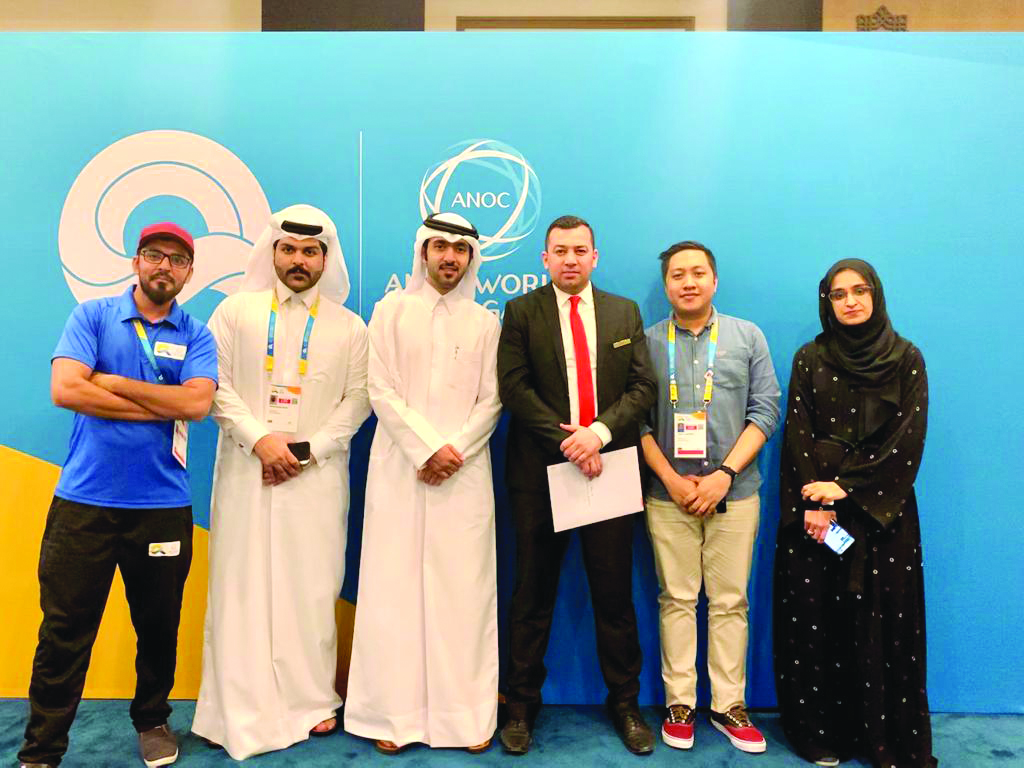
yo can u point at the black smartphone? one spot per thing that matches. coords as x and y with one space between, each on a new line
300 451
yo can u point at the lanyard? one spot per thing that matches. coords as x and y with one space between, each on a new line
709 375
148 349
304 354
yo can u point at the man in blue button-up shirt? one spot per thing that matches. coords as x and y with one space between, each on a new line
130 367
718 402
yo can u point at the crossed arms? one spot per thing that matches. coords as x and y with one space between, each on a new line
75 386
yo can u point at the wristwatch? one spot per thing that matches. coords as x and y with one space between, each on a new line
728 470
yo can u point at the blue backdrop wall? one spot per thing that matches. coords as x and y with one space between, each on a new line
783 152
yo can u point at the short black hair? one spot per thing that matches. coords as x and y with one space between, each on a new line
570 222
686 245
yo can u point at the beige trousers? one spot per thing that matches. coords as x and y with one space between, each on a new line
717 551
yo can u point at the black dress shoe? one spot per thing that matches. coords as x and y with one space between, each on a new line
631 727
515 736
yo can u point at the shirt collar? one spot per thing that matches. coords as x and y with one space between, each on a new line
127 309
712 319
586 295
284 293
434 298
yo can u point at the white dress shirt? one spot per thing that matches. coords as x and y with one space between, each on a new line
587 315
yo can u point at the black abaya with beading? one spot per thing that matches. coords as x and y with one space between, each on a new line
850 629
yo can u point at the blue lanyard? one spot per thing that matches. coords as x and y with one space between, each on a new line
709 374
304 354
148 349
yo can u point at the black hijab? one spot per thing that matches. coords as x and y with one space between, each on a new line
869 352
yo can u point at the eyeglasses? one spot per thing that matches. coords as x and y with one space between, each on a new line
176 260
840 294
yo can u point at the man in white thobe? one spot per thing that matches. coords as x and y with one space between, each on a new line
293 364
425 651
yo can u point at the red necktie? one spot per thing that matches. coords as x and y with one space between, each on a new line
583 379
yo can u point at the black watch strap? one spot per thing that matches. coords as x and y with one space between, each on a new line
728 470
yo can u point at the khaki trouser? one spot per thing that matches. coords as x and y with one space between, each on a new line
718 551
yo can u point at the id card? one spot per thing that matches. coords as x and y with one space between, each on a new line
283 408
691 435
179 442
169 350
837 539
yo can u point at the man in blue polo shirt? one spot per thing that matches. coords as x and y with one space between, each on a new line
135 369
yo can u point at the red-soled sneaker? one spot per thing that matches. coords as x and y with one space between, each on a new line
741 732
677 730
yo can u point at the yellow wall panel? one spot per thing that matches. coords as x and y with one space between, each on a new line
26 486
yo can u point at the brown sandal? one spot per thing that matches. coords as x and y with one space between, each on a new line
327 731
387 747
479 748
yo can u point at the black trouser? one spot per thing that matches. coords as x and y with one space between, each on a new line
608 559
82 545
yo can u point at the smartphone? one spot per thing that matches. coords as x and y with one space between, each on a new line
300 451
838 539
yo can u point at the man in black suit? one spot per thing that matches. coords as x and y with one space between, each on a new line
576 377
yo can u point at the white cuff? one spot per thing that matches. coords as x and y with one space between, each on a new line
248 432
601 431
322 448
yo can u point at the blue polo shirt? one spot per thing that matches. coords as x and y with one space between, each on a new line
114 463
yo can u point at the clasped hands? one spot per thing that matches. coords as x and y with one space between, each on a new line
445 462
279 463
582 447
817 521
698 495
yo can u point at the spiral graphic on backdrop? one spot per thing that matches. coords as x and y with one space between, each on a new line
511 170
152 164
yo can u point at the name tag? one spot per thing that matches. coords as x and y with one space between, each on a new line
179 442
165 549
691 435
283 408
621 343
169 350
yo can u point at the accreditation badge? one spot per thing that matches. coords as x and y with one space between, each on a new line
179 442
691 435
283 408
169 350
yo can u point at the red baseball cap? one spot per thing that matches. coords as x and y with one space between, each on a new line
167 229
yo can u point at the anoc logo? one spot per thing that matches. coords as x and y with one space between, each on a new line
152 164
493 186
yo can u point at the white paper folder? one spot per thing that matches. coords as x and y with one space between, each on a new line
577 500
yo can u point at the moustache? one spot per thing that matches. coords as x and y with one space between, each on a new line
162 276
298 271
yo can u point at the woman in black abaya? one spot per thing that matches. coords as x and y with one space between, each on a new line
850 629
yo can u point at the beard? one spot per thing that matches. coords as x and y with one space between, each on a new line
443 277
157 294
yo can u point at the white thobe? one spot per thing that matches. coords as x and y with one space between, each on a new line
425 652
277 554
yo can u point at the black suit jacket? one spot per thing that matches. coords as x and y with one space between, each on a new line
533 384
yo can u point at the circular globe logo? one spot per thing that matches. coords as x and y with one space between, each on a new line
492 185
177 165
